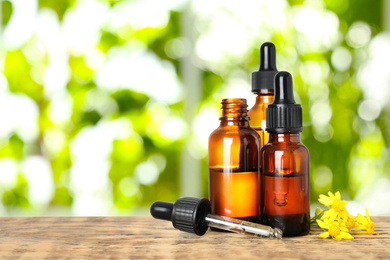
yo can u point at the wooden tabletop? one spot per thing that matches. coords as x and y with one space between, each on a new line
145 237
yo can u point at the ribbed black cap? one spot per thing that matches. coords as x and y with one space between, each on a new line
283 114
263 80
187 214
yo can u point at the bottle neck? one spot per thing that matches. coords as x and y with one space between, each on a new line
285 137
234 112
264 98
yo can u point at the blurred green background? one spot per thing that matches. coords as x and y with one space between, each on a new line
106 106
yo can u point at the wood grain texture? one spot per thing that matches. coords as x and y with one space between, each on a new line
148 238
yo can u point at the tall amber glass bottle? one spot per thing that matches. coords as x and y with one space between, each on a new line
285 164
263 87
234 154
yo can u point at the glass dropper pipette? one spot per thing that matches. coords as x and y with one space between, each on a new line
193 215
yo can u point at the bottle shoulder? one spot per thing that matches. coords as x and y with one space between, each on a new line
257 114
297 147
255 109
234 132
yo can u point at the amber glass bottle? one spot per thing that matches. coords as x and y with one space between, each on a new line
285 164
263 87
234 155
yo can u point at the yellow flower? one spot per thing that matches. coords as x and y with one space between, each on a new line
337 222
334 231
327 201
365 224
351 222
336 206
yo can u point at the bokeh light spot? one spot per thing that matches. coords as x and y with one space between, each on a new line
358 35
147 172
369 110
341 58
128 187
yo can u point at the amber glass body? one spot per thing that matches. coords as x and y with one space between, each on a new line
234 156
257 115
285 184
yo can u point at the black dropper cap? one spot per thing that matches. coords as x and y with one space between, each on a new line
283 114
263 80
187 214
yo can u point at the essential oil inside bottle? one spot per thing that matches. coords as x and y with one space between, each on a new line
235 193
285 164
234 164
286 204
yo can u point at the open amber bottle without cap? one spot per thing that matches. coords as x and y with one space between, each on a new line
285 164
234 164
263 87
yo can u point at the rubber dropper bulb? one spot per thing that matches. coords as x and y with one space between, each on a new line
162 210
268 57
284 93
187 214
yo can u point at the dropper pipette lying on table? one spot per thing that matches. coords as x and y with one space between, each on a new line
194 215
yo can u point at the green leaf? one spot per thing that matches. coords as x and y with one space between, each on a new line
18 195
317 215
59 6
90 118
129 100
18 73
62 196
319 211
6 12
109 40
14 148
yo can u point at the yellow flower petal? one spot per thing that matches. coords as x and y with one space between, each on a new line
322 224
327 214
333 215
331 196
370 228
325 200
368 216
344 215
360 232
345 235
344 229
362 220
337 195
350 223
357 226
323 235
